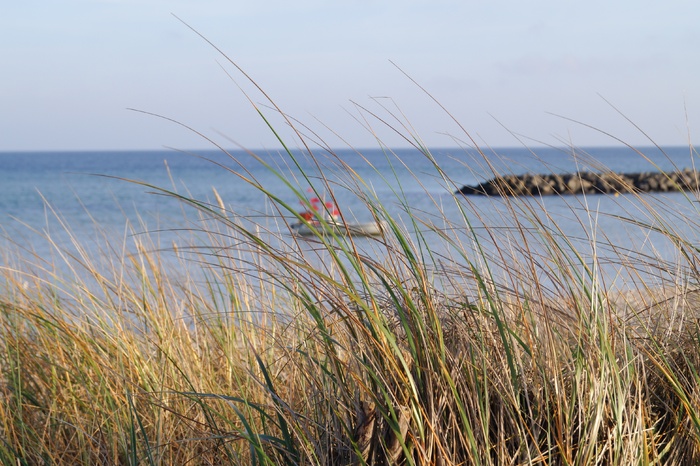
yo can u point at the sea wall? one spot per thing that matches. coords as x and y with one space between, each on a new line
586 183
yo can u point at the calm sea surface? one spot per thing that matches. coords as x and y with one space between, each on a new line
48 193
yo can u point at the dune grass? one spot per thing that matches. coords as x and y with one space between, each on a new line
438 347
438 343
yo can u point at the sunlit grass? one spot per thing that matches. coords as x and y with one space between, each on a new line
447 340
438 343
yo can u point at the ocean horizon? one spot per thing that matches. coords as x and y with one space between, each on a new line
65 196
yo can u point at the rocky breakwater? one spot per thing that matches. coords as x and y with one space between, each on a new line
586 183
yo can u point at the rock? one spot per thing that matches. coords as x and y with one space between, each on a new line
586 182
573 184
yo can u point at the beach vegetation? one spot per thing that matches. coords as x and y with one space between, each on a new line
443 341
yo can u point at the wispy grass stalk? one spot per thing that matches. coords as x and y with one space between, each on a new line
444 341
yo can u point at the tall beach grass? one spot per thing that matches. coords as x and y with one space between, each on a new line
436 343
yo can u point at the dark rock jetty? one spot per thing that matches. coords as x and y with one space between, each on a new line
586 183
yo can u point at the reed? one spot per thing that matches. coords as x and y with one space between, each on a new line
444 341
437 343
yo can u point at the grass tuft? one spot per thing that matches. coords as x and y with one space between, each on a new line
444 341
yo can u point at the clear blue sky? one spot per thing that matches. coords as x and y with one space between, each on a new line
71 68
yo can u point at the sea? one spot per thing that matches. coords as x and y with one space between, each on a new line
57 208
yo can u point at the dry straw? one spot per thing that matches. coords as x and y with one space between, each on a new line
444 344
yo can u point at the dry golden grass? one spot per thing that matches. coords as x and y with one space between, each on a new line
441 348
261 356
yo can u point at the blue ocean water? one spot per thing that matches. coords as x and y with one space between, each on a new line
47 193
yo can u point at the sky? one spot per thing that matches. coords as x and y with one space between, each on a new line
134 74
